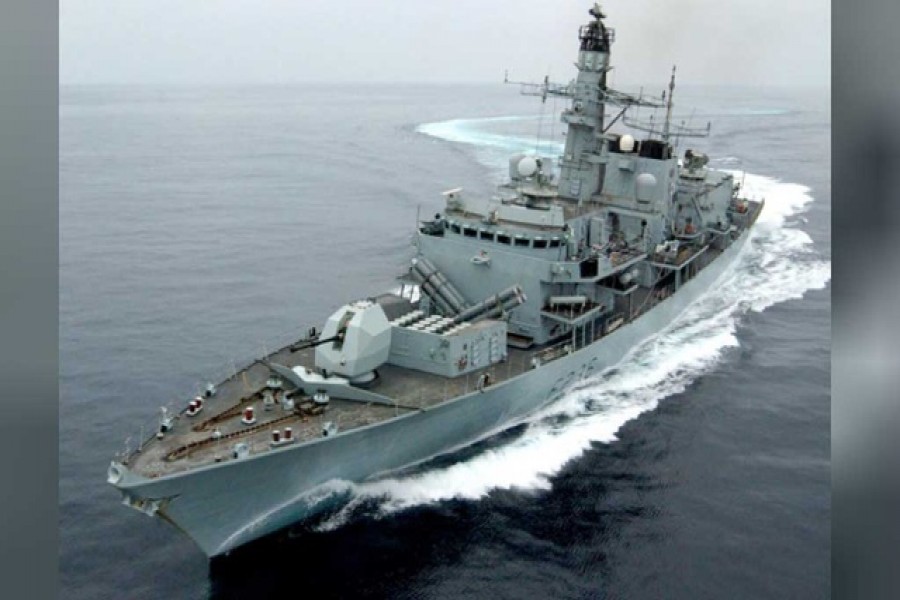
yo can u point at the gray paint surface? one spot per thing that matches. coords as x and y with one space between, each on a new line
224 506
621 200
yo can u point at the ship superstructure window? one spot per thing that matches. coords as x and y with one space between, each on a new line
518 240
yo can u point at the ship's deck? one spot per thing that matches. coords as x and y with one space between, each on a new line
190 443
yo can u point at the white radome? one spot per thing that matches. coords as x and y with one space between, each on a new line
626 143
645 185
527 166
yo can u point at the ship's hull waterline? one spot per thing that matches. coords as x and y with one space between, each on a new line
225 505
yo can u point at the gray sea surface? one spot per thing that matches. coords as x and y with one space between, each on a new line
200 227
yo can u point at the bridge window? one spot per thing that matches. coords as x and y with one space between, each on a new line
454 228
486 235
523 242
554 242
469 232
540 243
503 239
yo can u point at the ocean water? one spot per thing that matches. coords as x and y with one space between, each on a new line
200 227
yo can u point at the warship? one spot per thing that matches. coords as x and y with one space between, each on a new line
508 302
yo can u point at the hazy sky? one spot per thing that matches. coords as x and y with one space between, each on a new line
779 42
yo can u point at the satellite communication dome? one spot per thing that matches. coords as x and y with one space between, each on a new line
646 185
527 166
626 143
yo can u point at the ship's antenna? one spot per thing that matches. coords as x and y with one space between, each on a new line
537 142
684 126
665 135
553 119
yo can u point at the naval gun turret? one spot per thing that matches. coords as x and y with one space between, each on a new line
360 341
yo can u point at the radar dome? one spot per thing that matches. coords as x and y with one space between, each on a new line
527 166
626 143
645 184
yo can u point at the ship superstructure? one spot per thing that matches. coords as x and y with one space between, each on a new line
508 301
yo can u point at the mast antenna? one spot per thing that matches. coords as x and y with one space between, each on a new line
665 135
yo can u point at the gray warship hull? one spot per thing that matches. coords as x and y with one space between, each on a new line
225 505
528 291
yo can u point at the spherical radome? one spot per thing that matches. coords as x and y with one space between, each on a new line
646 180
527 166
646 186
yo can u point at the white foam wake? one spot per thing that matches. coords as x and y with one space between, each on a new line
778 264
491 149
